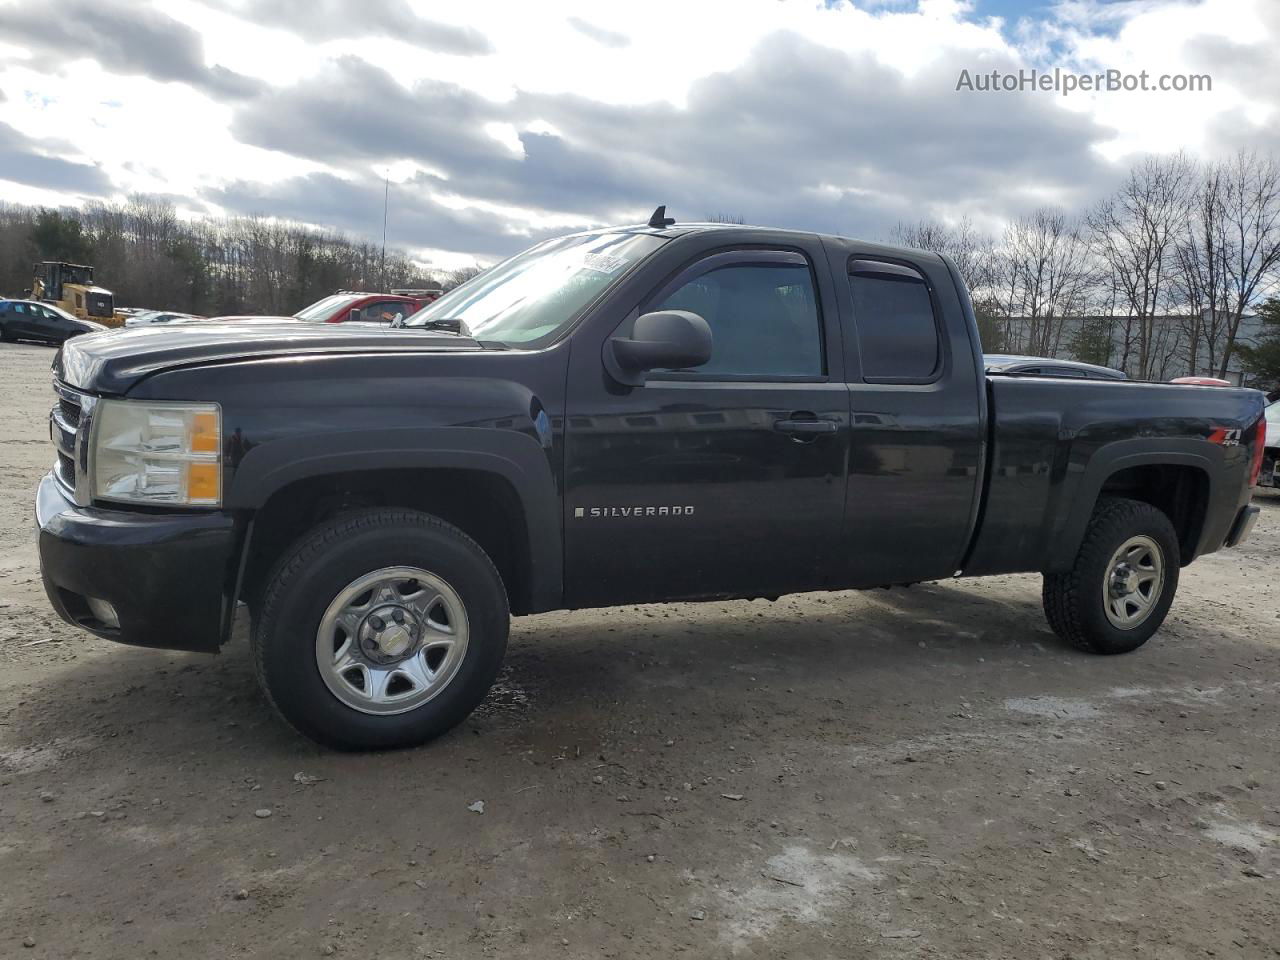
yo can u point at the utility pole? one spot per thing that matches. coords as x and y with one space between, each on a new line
386 193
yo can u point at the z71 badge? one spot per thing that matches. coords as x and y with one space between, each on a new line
1225 437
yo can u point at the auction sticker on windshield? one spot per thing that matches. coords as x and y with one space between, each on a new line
602 262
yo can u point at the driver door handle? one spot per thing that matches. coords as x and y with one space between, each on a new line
806 427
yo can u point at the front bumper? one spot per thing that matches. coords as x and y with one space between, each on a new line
166 575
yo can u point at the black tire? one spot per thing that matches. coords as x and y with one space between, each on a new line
324 562
1073 601
4 334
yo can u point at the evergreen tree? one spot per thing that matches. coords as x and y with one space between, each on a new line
1262 361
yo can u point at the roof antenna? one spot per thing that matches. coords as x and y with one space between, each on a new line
660 218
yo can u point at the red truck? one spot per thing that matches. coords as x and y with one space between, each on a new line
353 305
368 307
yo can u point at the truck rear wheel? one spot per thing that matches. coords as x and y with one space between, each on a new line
383 628
1121 586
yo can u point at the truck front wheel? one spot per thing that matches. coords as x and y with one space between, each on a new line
383 628
1121 586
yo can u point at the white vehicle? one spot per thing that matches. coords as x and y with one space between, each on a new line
1270 476
145 317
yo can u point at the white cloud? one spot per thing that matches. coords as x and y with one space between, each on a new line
1167 39
565 113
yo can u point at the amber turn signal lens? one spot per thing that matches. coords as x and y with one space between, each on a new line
204 433
203 482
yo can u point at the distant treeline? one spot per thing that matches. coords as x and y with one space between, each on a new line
1176 272
150 257
1170 275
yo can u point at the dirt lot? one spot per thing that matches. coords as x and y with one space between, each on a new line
907 773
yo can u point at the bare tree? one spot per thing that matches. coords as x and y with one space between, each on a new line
149 256
973 253
1251 237
456 278
1200 278
1043 276
1135 233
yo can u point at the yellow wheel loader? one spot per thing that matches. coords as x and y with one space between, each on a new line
70 286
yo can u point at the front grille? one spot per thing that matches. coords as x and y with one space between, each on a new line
64 426
70 411
66 470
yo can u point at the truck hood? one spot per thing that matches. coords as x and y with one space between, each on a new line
113 361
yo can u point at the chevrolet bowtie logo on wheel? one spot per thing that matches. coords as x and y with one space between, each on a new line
594 513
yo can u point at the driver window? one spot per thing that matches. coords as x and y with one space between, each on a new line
763 317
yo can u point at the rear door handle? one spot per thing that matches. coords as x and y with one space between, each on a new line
806 428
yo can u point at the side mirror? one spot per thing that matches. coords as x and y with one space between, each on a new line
353 315
673 339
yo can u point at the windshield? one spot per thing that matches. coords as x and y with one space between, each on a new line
59 311
323 309
529 299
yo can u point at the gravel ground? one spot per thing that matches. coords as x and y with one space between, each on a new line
905 773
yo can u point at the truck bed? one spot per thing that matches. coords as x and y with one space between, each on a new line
1053 442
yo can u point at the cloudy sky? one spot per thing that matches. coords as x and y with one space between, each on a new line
502 122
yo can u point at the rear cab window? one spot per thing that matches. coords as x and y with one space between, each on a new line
895 322
385 311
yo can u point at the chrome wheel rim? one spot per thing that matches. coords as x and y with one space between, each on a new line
392 640
1133 582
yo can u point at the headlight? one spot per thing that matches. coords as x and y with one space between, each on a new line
162 453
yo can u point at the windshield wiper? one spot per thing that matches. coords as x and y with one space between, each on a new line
457 328
446 324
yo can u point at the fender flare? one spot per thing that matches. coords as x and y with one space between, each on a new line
1066 535
516 457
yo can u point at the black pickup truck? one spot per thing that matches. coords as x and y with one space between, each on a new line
652 413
